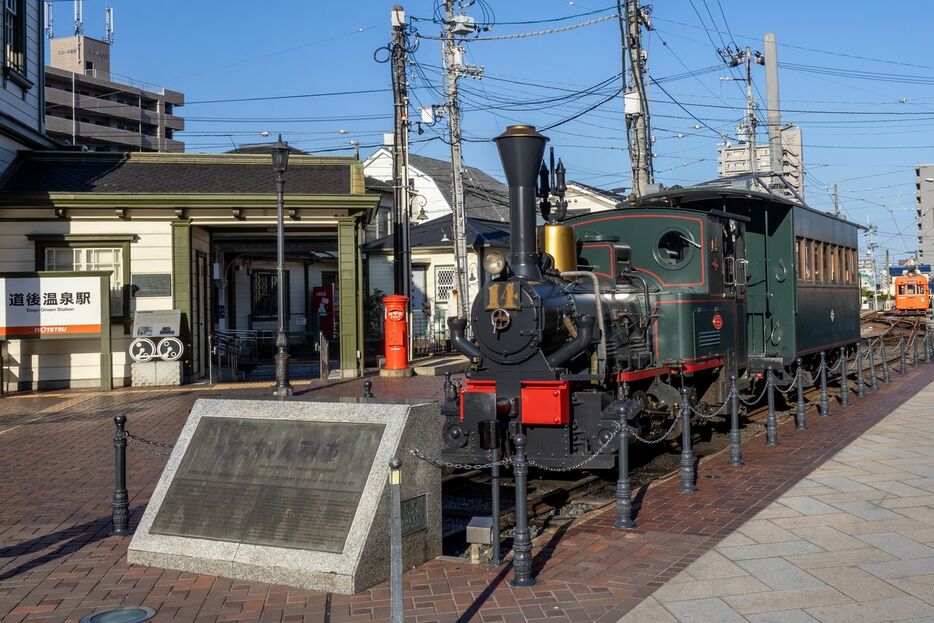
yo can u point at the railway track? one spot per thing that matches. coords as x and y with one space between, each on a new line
466 494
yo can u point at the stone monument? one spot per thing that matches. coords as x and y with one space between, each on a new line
294 492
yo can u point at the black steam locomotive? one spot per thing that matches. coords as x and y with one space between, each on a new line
683 287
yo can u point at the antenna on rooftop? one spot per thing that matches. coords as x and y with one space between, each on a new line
109 24
79 17
48 21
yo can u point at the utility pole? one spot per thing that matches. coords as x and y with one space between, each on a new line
747 57
636 101
836 201
773 106
453 55
402 281
871 250
888 275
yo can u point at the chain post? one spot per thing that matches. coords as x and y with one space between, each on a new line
771 420
121 500
873 379
624 484
844 381
903 360
860 382
915 360
801 407
824 397
368 389
885 362
396 608
736 450
522 539
494 490
688 475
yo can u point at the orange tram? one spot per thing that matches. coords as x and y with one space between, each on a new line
912 295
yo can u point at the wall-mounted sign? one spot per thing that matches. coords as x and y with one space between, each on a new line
151 285
35 306
157 323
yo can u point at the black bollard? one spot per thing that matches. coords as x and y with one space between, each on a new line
801 412
497 444
873 380
688 475
824 397
771 420
367 389
396 609
624 484
121 501
903 361
522 539
844 381
885 362
736 451
860 382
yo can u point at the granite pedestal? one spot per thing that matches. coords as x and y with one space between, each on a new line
294 492
156 373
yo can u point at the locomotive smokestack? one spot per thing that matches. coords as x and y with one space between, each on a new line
521 149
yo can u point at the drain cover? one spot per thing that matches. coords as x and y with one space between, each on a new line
134 614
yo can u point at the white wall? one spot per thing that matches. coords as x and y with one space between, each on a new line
379 166
77 362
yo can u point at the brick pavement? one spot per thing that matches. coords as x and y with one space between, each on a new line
58 564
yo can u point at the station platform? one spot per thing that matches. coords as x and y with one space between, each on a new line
842 512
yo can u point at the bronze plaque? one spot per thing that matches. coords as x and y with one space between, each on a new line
281 483
414 514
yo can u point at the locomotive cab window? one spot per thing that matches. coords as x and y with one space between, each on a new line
674 247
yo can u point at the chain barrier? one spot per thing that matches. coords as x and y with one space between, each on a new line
793 386
581 463
140 443
658 439
418 454
719 411
750 403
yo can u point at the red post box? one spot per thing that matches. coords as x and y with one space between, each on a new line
397 333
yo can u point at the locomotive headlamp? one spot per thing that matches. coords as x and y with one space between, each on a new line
494 262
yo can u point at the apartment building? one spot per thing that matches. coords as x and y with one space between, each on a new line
88 106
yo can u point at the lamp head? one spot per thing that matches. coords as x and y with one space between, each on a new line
280 155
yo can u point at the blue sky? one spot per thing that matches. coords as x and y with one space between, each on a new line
859 82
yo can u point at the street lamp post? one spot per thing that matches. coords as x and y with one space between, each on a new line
280 161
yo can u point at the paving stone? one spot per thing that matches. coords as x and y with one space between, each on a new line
856 583
808 506
714 565
764 531
782 616
921 586
772 601
704 611
900 568
702 589
898 545
828 538
649 611
866 510
766 550
873 611
842 483
779 574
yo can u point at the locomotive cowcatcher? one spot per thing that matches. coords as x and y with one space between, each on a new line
682 287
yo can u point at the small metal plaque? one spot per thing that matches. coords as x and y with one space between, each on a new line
151 285
157 323
415 514
271 482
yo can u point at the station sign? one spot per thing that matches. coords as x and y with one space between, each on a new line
40 305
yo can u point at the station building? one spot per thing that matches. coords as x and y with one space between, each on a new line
182 231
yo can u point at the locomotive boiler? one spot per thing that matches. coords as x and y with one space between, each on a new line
679 288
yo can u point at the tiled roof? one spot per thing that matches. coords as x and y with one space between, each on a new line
430 234
485 197
83 172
